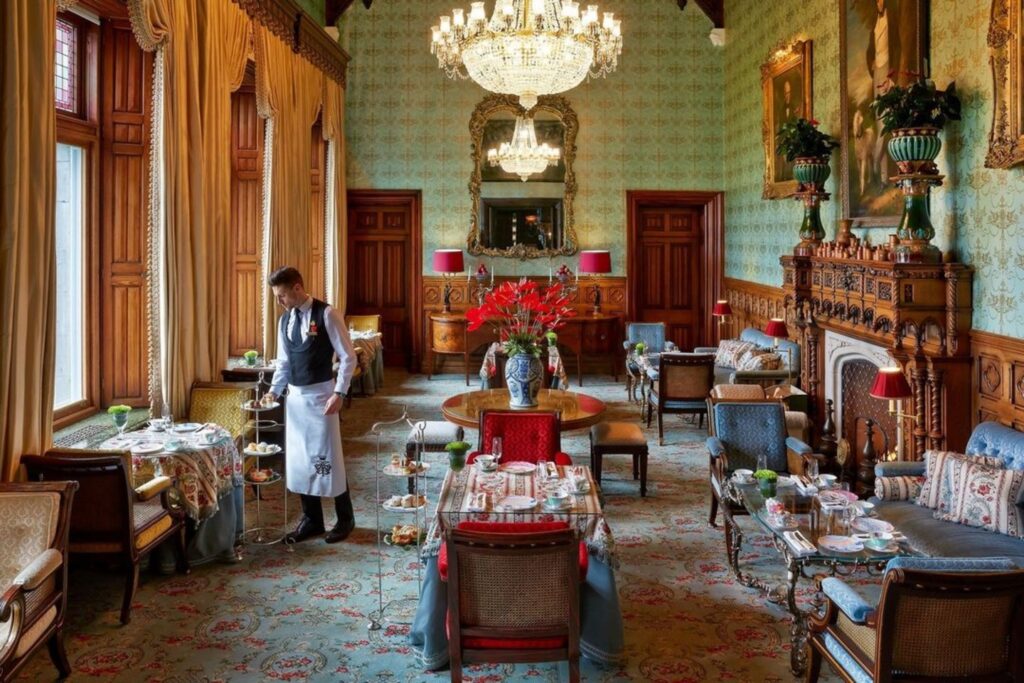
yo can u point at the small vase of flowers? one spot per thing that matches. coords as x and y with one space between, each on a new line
767 482
457 455
522 313
120 416
250 357
809 149
914 115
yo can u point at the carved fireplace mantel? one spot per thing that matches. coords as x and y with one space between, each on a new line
921 314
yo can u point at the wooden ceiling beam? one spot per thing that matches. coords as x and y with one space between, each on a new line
333 9
714 9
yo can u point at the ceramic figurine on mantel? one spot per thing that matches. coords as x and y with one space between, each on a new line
810 150
914 115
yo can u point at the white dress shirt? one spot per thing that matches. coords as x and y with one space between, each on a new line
337 333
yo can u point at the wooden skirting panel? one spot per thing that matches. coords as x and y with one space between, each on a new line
752 305
998 379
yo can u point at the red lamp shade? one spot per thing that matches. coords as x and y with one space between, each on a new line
721 309
595 262
448 261
777 328
890 383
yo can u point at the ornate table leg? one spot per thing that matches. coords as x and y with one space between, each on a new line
798 627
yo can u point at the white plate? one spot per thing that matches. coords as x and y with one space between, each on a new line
147 448
392 508
393 471
840 544
185 427
259 408
871 525
518 467
518 503
274 449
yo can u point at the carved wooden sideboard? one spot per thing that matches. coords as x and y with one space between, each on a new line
920 313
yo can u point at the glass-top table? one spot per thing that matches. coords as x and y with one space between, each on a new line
577 411
810 521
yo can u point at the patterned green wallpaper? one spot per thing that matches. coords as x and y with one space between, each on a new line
653 124
979 212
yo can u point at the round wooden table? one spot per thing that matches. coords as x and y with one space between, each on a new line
577 411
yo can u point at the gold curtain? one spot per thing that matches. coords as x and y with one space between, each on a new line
289 92
27 214
337 207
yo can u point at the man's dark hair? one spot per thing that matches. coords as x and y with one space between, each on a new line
287 276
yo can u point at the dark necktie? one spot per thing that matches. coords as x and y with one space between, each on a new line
296 327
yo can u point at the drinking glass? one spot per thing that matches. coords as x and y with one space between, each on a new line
542 468
496 448
166 415
762 461
812 470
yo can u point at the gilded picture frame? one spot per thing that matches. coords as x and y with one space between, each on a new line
1006 56
556 105
786 84
867 195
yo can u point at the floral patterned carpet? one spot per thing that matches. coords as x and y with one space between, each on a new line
302 615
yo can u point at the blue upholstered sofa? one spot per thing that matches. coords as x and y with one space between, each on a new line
790 369
947 539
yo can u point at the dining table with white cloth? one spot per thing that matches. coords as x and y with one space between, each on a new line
475 495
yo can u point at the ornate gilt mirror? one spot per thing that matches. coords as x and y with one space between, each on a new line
511 217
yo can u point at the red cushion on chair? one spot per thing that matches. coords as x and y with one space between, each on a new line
524 435
511 528
508 643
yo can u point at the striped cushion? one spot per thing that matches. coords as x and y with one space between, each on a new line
730 351
986 497
940 467
898 488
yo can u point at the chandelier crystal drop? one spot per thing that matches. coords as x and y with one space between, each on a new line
528 48
523 156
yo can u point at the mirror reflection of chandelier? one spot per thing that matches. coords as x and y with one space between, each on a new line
529 47
523 156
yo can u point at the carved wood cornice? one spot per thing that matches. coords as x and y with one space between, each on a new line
286 20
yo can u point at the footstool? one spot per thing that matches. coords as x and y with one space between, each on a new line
436 435
619 438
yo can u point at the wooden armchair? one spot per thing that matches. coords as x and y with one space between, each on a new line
112 518
525 435
221 404
33 572
488 574
684 381
938 620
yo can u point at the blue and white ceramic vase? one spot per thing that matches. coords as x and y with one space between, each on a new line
523 377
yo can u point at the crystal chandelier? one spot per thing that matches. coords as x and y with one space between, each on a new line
523 156
529 47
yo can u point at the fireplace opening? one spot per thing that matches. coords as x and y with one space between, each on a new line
856 377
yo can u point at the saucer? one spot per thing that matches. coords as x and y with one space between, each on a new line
564 505
840 544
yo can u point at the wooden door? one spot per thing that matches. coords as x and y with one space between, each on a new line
670 279
382 267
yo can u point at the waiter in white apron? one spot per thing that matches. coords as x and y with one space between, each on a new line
310 333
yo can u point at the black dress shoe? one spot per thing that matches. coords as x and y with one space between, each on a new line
307 528
341 531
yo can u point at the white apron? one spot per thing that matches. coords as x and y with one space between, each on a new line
313 460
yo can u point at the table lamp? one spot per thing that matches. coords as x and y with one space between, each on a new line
891 384
596 262
722 310
776 329
448 262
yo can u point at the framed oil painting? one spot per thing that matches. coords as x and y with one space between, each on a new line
786 82
878 40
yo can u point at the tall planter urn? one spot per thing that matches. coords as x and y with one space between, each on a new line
811 172
915 149
524 375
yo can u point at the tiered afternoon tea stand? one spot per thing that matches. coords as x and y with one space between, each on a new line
262 534
398 610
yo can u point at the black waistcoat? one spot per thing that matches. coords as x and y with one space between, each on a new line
312 361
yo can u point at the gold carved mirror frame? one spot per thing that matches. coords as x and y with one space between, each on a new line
1006 54
552 104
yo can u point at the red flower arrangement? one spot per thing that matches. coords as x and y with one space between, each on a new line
522 312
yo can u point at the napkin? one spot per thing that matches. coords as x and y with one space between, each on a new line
798 543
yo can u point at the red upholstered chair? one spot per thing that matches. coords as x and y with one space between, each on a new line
489 568
525 436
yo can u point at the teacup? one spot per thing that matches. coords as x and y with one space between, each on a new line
209 438
157 424
175 445
827 481
864 507
743 476
486 462
557 498
878 540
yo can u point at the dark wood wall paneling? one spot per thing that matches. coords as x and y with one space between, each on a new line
247 144
125 99
998 379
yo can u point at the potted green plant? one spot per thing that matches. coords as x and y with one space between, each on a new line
914 114
251 356
767 481
457 454
640 347
120 415
552 337
809 149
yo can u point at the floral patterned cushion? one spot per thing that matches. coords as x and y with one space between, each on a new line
940 468
986 497
730 351
760 359
898 488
